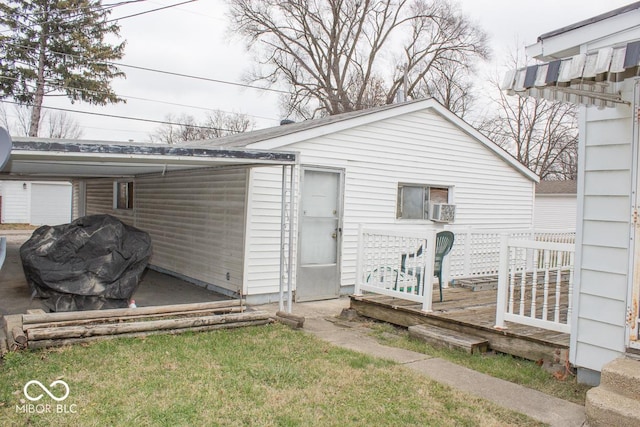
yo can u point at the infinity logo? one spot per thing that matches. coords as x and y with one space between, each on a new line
46 390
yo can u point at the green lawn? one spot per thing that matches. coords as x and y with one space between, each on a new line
504 366
265 376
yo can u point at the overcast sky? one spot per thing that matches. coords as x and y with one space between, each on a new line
192 39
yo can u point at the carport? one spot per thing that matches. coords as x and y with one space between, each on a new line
191 200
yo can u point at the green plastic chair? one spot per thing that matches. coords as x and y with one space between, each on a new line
444 243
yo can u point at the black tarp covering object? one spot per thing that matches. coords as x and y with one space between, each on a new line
95 262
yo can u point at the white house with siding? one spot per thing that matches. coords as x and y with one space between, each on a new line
595 64
377 167
217 211
35 202
555 205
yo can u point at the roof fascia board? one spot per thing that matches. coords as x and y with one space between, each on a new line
127 153
569 42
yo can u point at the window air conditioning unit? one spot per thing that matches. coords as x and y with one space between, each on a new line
442 212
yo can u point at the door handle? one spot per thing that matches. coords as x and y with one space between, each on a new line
334 235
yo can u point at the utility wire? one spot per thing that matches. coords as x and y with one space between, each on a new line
189 76
102 7
150 11
31 27
155 70
59 87
140 119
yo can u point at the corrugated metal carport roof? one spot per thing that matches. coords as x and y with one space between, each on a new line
50 158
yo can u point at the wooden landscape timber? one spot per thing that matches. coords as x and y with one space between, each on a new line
3 344
36 318
19 337
291 320
70 341
38 329
118 328
473 313
446 338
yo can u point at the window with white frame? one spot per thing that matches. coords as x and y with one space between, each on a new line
414 199
123 195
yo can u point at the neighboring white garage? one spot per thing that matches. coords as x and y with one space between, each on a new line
555 205
50 203
36 203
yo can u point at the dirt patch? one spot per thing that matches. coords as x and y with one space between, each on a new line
17 227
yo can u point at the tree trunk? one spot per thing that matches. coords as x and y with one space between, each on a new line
36 109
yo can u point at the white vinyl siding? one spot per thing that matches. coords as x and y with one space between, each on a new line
100 200
79 207
15 202
605 249
420 147
555 212
262 269
196 222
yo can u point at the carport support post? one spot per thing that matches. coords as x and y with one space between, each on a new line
286 235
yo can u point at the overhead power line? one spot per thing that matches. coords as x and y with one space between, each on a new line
189 76
155 70
35 23
60 87
150 11
140 119
102 7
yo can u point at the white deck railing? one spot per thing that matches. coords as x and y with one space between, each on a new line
380 268
476 252
535 283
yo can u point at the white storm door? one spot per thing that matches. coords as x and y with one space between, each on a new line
318 274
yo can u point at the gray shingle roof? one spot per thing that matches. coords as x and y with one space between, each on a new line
247 138
557 187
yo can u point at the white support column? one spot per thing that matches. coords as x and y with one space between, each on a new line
503 281
287 212
467 253
292 199
359 262
283 214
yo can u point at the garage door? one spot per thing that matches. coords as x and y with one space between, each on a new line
50 203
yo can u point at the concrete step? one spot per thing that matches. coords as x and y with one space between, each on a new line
622 376
607 408
477 283
447 338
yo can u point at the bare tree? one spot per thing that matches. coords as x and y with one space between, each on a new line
61 126
56 124
542 135
450 84
215 125
344 55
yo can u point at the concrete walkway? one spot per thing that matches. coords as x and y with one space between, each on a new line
320 320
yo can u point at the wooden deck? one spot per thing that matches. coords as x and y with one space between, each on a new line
471 312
